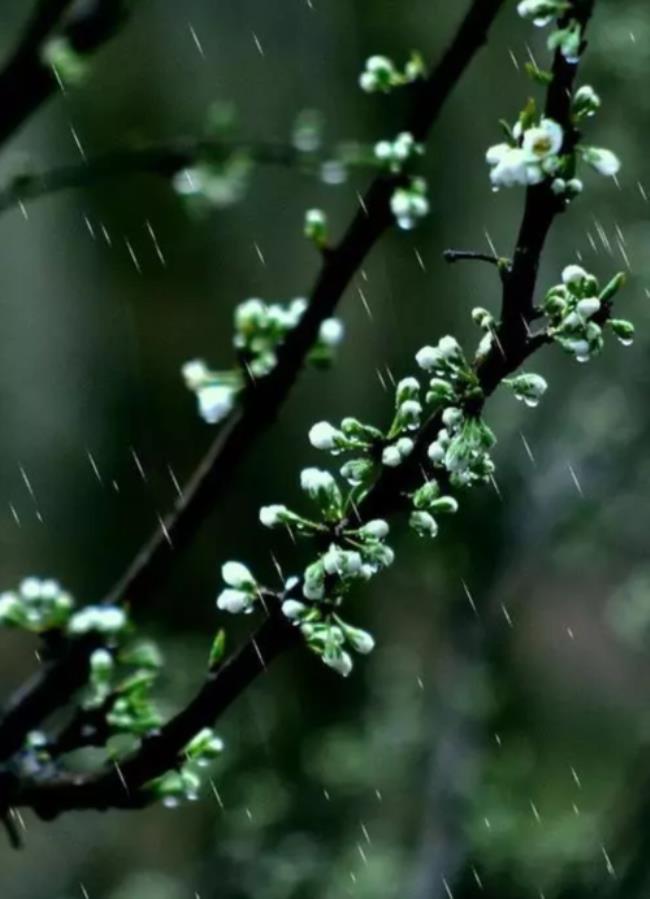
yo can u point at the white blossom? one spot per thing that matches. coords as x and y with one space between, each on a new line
543 140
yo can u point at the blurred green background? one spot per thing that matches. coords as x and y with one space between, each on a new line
504 741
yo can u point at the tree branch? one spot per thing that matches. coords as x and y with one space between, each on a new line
161 160
26 81
52 687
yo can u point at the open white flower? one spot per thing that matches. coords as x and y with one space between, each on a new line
543 140
509 165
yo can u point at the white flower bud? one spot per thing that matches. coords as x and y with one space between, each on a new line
436 452
588 307
391 457
293 609
376 528
215 401
234 601
359 640
428 358
341 662
423 524
574 275
272 516
603 161
448 347
323 436
237 575
331 332
195 373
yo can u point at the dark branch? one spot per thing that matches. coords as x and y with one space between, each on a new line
160 160
26 81
54 686
452 256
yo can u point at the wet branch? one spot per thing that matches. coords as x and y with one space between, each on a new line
54 685
160 160
26 82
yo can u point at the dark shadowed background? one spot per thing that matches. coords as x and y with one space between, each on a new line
506 739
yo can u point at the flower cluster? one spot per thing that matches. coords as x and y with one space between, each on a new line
184 783
394 154
573 306
568 38
40 605
381 75
533 151
530 155
37 606
117 699
259 329
121 685
409 203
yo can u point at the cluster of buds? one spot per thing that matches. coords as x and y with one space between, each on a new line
394 154
328 635
259 330
572 306
428 501
381 75
37 606
241 589
214 183
185 782
568 38
528 389
121 684
410 203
